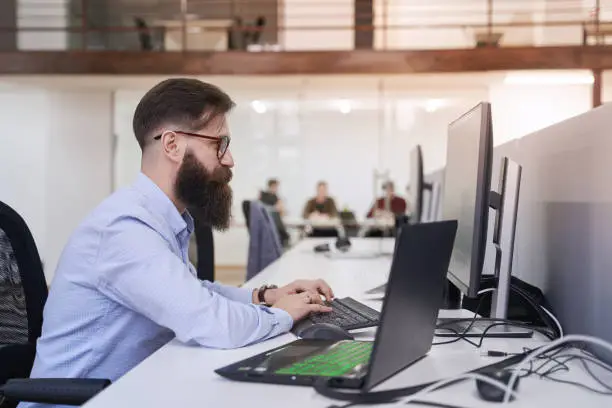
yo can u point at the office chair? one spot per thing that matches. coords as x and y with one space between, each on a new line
23 293
246 211
144 34
260 24
206 251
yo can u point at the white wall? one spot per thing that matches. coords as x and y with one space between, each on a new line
79 163
519 110
23 155
56 160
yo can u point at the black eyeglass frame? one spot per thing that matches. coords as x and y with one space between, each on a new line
223 142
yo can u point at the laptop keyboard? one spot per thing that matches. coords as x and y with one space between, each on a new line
344 357
348 314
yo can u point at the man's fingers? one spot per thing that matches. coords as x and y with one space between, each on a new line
325 289
316 308
315 298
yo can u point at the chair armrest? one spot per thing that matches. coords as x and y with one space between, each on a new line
64 391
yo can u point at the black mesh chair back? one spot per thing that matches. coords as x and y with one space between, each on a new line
23 293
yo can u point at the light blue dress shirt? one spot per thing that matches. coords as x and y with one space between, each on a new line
124 287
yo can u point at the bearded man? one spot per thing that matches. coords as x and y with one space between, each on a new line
124 286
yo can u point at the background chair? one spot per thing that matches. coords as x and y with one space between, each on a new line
23 293
206 251
144 34
260 25
246 211
264 243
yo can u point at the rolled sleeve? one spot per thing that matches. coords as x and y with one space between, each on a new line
283 319
141 272
241 295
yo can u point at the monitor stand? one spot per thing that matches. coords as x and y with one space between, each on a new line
506 205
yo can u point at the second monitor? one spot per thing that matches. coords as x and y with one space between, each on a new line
467 197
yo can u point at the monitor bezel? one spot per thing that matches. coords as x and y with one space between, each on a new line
483 191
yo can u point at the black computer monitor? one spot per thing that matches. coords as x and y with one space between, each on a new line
416 184
467 184
467 198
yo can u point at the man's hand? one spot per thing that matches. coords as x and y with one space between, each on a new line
300 305
315 287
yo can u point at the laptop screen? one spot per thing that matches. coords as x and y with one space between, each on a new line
414 296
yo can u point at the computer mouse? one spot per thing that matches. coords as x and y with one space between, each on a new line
324 331
492 393
322 248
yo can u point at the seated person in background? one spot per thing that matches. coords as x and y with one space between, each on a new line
389 204
322 206
124 285
270 197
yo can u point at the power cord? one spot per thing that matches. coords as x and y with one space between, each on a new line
561 365
475 318
552 316
573 338
324 387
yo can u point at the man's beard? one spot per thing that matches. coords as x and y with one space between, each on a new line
207 195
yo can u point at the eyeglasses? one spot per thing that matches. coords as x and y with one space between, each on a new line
222 141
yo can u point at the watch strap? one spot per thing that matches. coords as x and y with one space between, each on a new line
261 293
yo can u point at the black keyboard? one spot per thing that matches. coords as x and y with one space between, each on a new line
347 313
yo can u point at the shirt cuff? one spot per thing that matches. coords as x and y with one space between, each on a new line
284 319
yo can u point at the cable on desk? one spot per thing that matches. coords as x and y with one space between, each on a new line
494 323
556 344
553 324
432 404
552 316
323 386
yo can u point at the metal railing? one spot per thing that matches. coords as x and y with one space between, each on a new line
228 25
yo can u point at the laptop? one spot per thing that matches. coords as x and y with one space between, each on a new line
405 334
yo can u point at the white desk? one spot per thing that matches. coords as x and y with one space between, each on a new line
182 376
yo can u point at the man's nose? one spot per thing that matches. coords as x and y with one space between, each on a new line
228 159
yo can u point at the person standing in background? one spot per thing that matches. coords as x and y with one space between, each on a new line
321 206
389 204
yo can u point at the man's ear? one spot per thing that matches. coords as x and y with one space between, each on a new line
172 146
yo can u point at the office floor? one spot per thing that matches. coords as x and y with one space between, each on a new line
230 275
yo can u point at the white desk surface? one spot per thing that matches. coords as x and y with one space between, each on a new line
183 376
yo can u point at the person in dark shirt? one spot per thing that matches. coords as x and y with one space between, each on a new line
270 197
389 203
322 205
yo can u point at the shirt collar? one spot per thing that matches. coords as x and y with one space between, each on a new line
160 203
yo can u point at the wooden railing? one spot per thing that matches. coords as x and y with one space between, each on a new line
278 25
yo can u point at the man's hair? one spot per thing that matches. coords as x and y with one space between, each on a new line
272 182
187 103
321 183
388 184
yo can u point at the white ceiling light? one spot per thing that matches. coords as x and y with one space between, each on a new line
259 106
344 106
433 105
549 79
